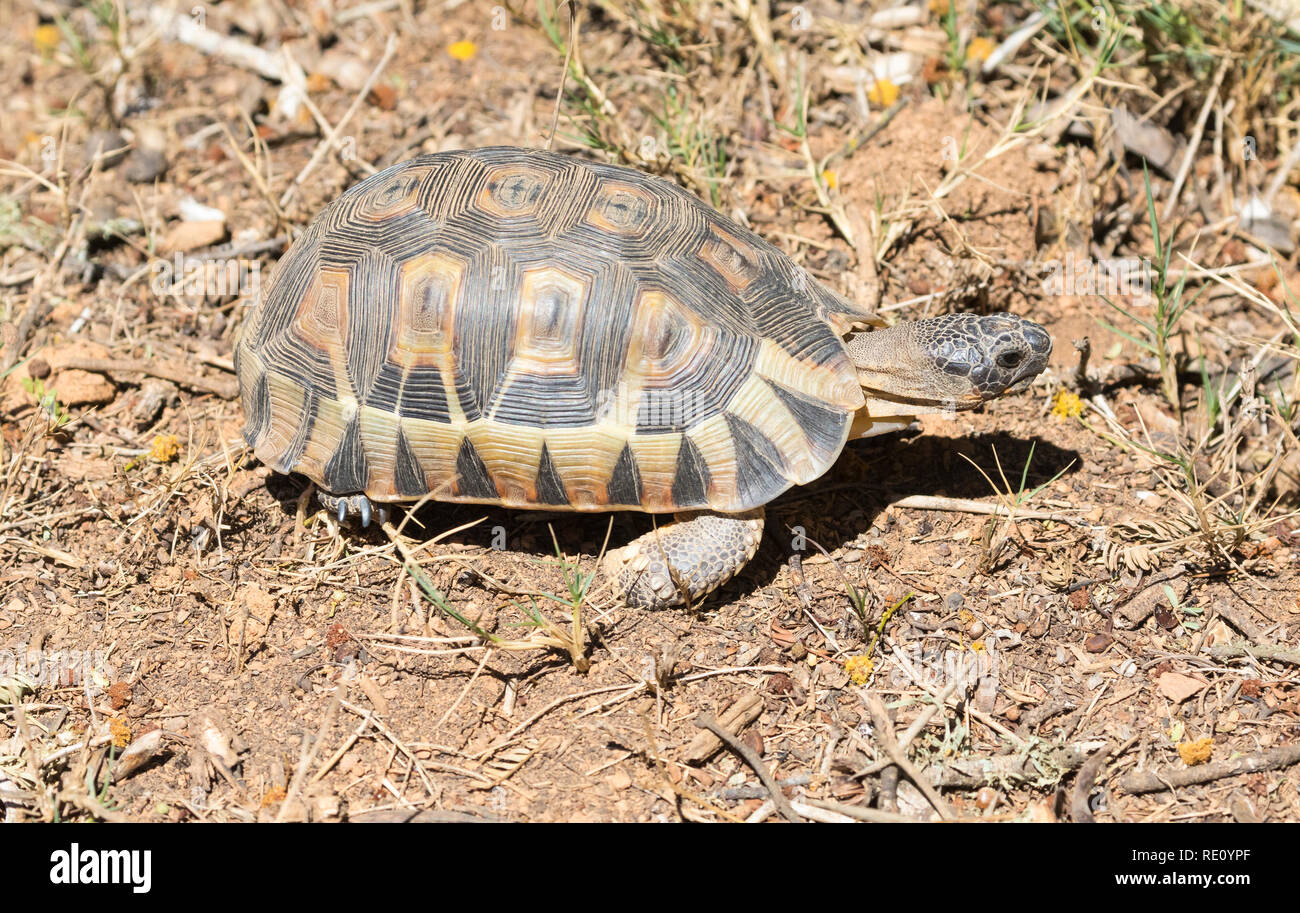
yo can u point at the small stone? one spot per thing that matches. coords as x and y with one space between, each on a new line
383 97
144 166
955 601
83 388
38 368
619 779
108 146
187 236
1098 643
344 68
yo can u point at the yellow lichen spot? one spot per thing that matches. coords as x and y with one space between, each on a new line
317 83
977 646
165 448
882 93
979 49
46 38
965 616
463 50
120 731
1066 405
859 669
1197 752
830 179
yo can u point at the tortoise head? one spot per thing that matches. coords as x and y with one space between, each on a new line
956 361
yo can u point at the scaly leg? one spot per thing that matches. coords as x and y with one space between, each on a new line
687 558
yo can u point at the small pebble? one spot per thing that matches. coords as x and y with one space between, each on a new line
108 145
144 166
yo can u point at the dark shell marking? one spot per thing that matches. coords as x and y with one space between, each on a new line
531 329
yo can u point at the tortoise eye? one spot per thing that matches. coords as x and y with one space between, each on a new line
1009 360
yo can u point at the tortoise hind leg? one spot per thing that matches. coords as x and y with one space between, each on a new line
347 506
687 558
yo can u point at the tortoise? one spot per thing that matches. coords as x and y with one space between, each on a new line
534 330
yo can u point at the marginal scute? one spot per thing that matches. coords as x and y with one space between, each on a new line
761 470
347 469
691 481
532 329
550 487
625 481
474 481
408 474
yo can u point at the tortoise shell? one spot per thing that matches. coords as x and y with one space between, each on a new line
530 329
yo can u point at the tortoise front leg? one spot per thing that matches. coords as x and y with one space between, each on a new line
687 558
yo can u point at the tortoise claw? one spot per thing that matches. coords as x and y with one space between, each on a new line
347 506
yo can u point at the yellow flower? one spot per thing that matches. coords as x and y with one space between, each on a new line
463 50
882 93
165 448
46 38
979 49
1197 752
859 669
830 179
1066 405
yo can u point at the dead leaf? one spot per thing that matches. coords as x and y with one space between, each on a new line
1178 687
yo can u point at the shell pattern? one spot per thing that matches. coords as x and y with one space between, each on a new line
535 330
